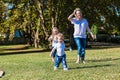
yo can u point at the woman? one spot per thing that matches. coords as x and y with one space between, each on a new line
80 27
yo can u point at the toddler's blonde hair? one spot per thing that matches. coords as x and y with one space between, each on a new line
60 35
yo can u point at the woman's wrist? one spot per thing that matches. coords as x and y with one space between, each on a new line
71 15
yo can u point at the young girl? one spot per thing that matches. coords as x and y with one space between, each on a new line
60 54
53 41
80 27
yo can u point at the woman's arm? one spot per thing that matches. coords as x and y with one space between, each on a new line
70 17
88 29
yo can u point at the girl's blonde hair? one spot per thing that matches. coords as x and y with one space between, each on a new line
52 35
54 28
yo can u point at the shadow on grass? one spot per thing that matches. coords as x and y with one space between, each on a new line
101 45
23 52
100 60
103 60
94 66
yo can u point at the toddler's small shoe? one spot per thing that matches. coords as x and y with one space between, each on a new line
55 68
65 69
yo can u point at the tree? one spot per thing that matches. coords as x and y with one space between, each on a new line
37 17
2 16
27 15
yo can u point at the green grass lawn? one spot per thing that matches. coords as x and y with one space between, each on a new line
101 64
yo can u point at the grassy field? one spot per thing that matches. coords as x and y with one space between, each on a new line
101 64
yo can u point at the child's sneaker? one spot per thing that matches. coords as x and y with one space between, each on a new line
55 68
65 69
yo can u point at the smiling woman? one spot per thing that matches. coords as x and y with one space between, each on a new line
80 27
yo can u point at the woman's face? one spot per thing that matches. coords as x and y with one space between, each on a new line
78 15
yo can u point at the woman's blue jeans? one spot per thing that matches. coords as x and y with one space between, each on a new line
81 45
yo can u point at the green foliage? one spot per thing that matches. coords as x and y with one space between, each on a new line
2 16
94 29
26 15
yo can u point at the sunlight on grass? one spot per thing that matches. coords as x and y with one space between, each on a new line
101 64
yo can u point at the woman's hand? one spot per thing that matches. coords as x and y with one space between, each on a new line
93 37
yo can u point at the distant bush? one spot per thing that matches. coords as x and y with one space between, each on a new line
103 37
115 39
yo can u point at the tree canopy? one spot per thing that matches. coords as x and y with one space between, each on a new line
35 18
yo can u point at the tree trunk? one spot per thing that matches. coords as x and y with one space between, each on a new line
40 5
53 13
53 21
36 38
